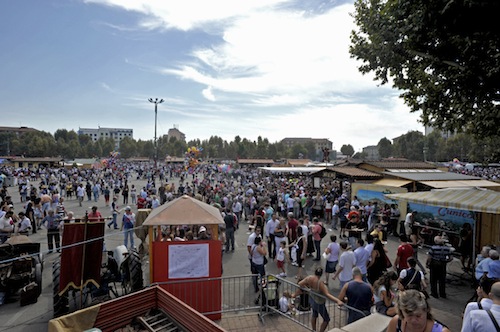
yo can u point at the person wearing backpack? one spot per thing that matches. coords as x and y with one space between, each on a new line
484 301
411 278
485 320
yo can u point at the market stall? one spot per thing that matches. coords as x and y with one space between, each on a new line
174 264
447 210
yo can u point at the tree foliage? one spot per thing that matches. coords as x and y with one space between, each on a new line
410 145
347 149
443 55
384 148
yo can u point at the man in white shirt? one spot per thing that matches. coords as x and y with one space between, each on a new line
347 261
409 220
24 224
484 301
269 232
6 226
335 214
80 193
484 320
362 257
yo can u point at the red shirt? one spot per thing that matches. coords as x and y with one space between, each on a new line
95 216
405 251
292 229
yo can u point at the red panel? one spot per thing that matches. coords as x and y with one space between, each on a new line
72 255
203 295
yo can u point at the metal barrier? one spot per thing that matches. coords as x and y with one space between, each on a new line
238 295
274 287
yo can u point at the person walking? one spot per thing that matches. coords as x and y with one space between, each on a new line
128 224
405 251
333 252
347 261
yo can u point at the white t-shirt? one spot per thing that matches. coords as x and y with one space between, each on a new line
281 255
305 230
347 261
283 304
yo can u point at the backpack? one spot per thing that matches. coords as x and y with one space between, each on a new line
322 234
412 281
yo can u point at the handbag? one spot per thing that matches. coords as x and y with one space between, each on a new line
325 255
388 263
265 260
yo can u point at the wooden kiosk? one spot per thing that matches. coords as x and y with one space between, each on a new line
189 270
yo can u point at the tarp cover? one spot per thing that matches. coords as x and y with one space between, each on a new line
471 199
72 255
184 210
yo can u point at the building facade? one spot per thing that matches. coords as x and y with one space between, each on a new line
117 134
371 152
319 144
175 132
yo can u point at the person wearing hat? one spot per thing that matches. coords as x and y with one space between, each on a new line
128 224
439 256
202 233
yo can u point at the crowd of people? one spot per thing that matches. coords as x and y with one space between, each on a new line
286 217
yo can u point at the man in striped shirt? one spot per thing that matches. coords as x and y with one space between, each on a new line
439 256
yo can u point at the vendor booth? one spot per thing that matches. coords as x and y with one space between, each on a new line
175 265
447 210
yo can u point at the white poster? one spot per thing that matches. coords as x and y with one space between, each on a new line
188 261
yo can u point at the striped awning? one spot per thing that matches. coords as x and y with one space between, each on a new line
467 183
392 182
470 199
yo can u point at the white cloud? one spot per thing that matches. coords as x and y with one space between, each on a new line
208 94
268 60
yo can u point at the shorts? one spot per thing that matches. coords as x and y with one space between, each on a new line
280 264
382 308
319 309
331 267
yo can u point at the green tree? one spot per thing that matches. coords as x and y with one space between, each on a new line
443 55
410 146
347 149
128 147
384 148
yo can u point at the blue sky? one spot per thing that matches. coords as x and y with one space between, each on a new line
269 68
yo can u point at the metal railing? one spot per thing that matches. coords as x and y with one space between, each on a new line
301 312
238 295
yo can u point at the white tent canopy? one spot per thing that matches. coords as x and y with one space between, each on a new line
470 199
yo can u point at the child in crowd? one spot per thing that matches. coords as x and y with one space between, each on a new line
285 303
280 259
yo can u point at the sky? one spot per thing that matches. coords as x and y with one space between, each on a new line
269 68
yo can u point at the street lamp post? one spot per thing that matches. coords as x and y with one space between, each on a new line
156 102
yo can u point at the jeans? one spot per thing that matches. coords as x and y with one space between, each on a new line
229 238
53 236
317 247
113 222
129 232
271 246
